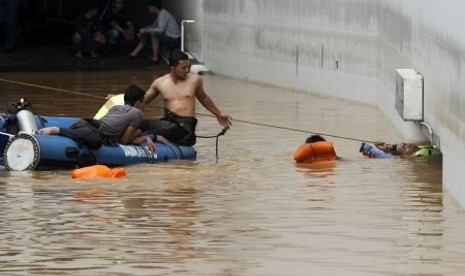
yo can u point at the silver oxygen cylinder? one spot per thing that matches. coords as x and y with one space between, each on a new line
26 122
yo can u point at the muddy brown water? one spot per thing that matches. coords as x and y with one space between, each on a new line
254 212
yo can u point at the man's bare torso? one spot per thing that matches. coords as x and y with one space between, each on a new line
179 97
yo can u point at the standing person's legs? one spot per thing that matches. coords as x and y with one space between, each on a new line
11 14
77 44
155 47
87 44
112 36
98 40
172 44
140 46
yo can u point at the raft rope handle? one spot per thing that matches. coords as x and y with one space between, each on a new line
221 133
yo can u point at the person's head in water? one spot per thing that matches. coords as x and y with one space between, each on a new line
402 149
406 148
314 138
134 96
179 64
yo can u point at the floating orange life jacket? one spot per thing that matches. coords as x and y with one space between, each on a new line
98 171
321 151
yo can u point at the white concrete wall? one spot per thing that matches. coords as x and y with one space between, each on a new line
295 44
428 35
348 49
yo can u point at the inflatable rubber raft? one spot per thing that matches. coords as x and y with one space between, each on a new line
26 150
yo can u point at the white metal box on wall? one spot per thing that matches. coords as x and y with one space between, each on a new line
409 94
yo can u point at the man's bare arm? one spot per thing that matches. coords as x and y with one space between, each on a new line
134 136
151 93
207 102
130 134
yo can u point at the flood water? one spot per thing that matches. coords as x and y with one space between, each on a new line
254 212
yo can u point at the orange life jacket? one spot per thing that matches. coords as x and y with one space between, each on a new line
98 171
321 151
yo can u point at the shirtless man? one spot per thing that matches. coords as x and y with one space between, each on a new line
179 90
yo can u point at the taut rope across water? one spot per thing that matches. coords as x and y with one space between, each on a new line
208 115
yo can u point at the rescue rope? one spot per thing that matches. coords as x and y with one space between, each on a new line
221 133
208 115
51 88
292 129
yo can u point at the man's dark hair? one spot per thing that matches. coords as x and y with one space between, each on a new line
314 138
132 94
176 56
155 3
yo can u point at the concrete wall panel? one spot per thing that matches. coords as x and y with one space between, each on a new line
295 37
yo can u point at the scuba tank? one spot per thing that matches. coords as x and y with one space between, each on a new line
19 117
26 122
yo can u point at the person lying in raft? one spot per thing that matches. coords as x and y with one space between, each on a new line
120 124
315 150
384 150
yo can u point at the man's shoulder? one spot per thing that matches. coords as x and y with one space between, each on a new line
194 78
161 78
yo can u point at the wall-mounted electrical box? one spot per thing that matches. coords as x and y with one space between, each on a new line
409 94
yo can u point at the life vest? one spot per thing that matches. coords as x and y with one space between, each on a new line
426 151
98 171
316 152
114 100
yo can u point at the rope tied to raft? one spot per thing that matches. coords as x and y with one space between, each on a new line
217 136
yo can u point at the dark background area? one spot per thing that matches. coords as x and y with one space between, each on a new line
52 21
44 34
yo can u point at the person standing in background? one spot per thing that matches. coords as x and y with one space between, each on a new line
119 29
88 32
164 32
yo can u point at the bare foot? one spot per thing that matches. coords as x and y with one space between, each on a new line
93 55
49 131
78 55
